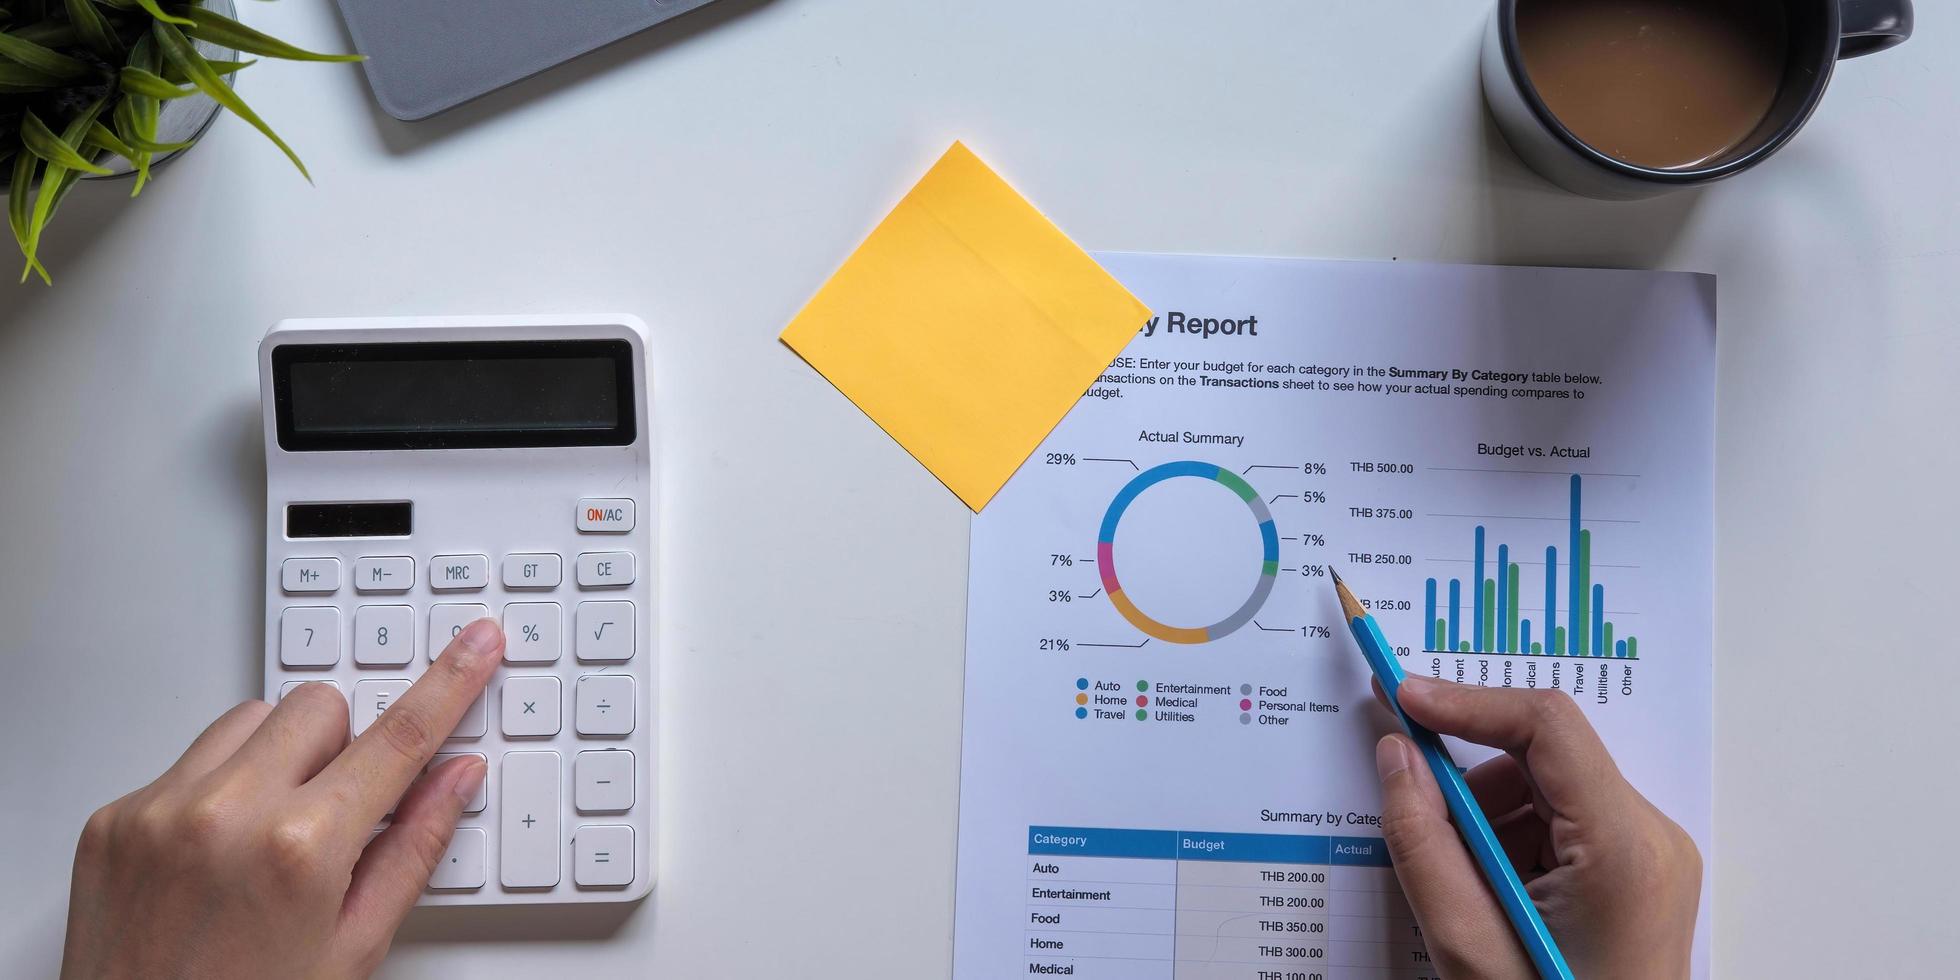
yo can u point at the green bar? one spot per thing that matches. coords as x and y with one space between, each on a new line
1582 602
1606 640
1558 641
1237 484
1441 628
1463 646
1490 615
1511 614
1633 648
1537 647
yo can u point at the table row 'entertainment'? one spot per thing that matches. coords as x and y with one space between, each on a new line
1188 905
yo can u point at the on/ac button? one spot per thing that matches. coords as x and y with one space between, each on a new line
605 514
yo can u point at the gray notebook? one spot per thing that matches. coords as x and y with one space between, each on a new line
425 56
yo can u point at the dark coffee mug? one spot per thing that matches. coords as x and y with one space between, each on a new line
1821 33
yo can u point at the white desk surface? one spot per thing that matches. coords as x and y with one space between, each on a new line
708 176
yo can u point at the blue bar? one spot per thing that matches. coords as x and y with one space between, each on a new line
1477 597
1502 612
1370 852
1524 636
1429 614
1599 621
1572 553
1620 649
1093 842
1276 848
1456 611
1551 598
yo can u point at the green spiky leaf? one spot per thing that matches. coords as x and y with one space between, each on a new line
222 30
177 50
102 138
94 30
143 109
162 15
136 81
16 77
45 60
17 211
56 182
175 77
57 150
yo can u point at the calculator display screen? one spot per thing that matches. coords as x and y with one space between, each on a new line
454 395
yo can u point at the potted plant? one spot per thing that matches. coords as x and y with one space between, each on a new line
84 83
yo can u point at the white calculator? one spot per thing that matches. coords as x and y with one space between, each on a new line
422 473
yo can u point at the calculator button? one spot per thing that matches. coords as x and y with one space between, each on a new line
475 721
599 569
605 631
533 571
462 865
530 705
528 820
287 688
602 781
602 856
446 619
384 636
372 697
459 573
389 574
531 632
603 705
308 575
309 636
605 514
482 797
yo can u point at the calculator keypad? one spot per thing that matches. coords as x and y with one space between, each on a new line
546 622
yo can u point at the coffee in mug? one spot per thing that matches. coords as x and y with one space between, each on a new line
1629 98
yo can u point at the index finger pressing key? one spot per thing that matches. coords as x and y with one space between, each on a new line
377 768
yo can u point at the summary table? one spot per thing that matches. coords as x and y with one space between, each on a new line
1190 905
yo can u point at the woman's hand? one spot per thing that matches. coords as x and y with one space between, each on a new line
1616 881
251 856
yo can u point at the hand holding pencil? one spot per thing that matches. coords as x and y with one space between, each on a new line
1616 882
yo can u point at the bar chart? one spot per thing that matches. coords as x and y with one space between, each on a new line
1495 589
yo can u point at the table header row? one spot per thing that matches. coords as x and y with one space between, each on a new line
1189 845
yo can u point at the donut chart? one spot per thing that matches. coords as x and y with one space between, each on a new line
1106 548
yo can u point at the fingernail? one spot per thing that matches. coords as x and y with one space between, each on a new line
470 781
1390 757
482 636
1417 685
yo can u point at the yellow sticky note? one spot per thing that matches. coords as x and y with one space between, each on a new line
966 326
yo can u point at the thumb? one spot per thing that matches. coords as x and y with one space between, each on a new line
1465 931
396 866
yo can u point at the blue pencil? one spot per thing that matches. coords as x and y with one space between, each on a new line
1464 811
